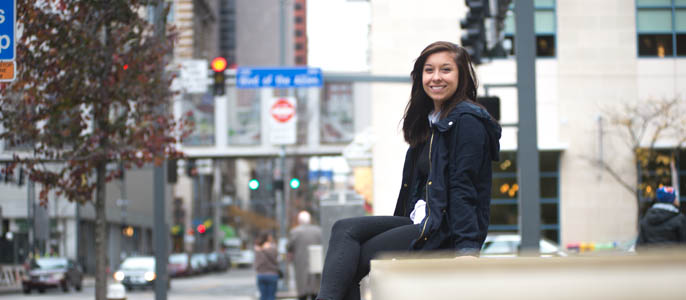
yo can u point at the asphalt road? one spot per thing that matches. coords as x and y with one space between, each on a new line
236 284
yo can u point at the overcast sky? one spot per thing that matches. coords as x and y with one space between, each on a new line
338 32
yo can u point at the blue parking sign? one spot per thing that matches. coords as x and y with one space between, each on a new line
8 12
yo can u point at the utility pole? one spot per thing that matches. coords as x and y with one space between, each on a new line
527 137
160 232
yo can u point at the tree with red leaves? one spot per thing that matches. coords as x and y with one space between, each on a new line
90 91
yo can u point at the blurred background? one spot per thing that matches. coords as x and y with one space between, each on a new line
335 147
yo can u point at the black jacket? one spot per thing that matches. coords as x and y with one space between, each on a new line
662 224
458 188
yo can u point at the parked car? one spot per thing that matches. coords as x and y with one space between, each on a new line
179 265
52 272
199 263
137 272
239 257
218 261
507 245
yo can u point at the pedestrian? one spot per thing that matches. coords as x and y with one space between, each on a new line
266 265
446 182
300 239
663 224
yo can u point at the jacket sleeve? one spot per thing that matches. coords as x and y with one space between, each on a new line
404 185
463 173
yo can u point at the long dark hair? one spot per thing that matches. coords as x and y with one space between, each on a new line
262 238
415 123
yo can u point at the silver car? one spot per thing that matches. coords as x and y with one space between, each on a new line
507 245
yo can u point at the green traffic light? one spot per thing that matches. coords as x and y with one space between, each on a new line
253 184
295 183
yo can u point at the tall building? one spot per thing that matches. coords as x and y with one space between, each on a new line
300 31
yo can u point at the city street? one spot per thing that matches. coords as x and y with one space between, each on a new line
236 284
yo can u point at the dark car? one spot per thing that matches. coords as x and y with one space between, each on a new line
52 272
218 261
137 272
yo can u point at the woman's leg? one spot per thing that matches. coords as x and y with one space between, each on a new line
273 282
262 286
343 254
393 240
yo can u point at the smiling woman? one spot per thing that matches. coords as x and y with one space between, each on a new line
446 189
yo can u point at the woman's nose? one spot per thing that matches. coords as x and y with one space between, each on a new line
435 76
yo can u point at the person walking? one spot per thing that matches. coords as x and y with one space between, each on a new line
267 266
663 224
446 182
301 238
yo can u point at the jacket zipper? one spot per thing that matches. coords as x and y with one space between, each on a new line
428 209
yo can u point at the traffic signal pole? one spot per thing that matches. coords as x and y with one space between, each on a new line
160 232
527 137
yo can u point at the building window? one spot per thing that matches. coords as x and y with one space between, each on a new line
661 28
298 46
337 119
298 33
299 60
298 20
544 27
504 192
298 6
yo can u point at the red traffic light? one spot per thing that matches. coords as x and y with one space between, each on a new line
201 228
218 64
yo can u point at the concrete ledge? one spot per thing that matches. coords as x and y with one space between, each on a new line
658 275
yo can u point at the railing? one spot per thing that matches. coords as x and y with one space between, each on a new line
10 277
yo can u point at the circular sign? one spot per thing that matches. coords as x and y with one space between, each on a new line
282 110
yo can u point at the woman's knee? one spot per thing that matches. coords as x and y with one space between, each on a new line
343 226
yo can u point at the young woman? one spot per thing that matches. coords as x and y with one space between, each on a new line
266 266
446 188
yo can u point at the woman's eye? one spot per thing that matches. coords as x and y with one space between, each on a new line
447 70
428 70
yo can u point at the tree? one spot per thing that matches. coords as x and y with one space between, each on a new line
653 131
90 90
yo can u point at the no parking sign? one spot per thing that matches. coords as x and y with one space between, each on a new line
282 120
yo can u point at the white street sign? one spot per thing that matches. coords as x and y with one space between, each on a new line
282 121
193 76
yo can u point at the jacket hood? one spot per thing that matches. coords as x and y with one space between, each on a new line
661 213
492 127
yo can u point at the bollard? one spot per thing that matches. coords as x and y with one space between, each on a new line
116 291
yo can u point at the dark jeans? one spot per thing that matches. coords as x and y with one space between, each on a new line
353 243
267 283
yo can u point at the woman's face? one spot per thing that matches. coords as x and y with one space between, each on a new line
439 77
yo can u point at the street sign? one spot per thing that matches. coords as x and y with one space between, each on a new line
193 76
282 77
282 110
8 12
7 70
282 120
8 20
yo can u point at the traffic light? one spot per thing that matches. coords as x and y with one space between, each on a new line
253 184
474 35
218 66
200 228
295 183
